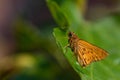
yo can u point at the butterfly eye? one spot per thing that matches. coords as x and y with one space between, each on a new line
70 34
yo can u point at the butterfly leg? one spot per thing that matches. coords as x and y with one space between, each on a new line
66 48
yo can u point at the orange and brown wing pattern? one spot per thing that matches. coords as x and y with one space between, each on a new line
84 51
88 53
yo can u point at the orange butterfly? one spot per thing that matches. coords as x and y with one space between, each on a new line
84 51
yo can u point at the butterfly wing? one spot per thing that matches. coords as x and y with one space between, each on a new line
88 53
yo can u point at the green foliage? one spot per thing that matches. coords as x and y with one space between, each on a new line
58 15
103 33
37 55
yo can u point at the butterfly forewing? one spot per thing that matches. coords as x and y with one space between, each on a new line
84 51
90 53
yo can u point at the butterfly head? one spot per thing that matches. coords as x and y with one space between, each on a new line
71 35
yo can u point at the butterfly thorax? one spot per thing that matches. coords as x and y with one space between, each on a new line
73 39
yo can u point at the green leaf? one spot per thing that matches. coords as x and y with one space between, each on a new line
105 34
66 13
58 14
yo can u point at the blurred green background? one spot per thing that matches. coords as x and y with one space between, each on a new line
34 34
